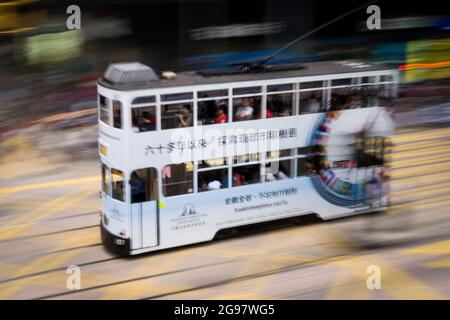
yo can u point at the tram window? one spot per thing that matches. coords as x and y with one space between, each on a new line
177 96
176 115
143 119
279 105
248 108
278 154
368 79
117 184
246 90
212 93
106 181
245 158
117 114
212 163
144 185
104 109
348 98
308 166
212 112
386 78
311 85
244 175
177 179
147 99
341 82
280 87
212 180
278 170
311 102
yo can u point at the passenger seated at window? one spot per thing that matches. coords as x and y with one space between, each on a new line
244 112
248 174
310 167
117 116
313 104
269 175
213 180
281 173
221 116
355 102
238 179
285 111
214 185
146 122
274 105
185 117
335 103
137 188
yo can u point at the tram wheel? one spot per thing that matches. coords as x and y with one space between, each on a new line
226 233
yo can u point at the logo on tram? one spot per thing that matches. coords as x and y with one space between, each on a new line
188 210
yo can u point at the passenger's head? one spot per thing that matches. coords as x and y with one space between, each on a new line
246 102
220 110
313 98
186 108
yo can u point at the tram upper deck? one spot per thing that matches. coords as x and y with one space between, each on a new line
334 69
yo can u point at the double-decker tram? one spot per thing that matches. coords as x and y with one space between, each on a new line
184 156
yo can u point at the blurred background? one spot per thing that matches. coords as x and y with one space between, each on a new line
48 73
49 171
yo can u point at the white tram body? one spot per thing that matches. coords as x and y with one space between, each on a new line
211 172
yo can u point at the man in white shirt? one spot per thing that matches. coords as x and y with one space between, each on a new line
214 185
245 112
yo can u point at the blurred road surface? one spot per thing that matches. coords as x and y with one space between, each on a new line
49 218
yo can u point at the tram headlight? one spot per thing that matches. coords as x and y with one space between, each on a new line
103 150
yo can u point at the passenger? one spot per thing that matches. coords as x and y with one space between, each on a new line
269 176
309 167
185 117
214 185
137 188
221 116
117 115
313 104
244 112
285 111
274 105
202 185
335 104
355 102
146 122
238 179
281 175
224 181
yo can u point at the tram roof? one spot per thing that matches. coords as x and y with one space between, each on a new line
192 78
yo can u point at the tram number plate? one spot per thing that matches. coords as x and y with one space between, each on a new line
119 242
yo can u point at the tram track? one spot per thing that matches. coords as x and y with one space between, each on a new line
258 275
313 261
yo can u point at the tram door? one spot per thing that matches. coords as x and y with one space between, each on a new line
144 208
